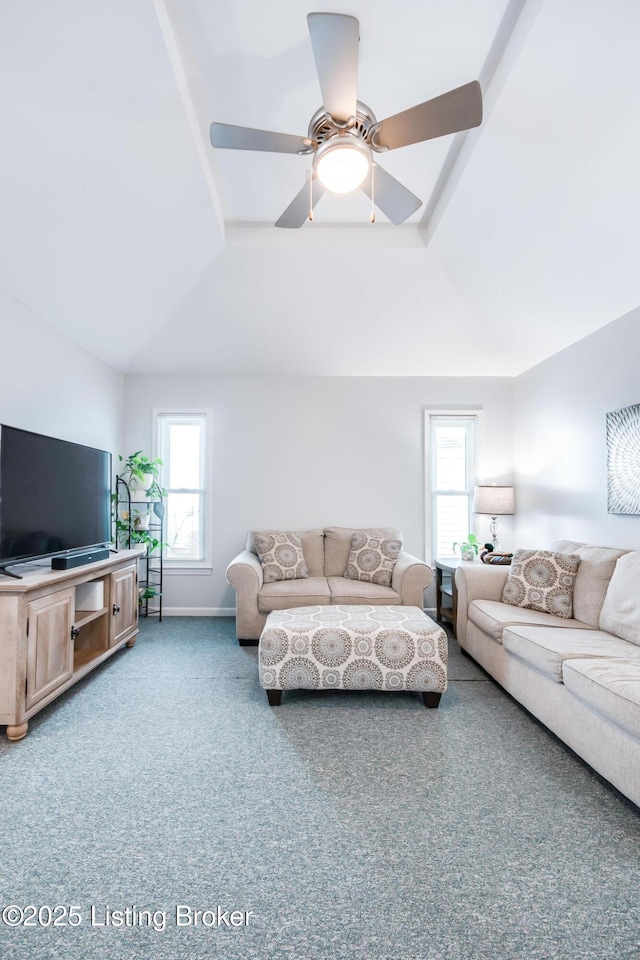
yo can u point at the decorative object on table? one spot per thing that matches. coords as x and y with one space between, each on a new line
468 548
488 548
623 460
497 559
494 501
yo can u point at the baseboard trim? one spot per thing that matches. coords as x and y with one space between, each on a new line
230 612
198 611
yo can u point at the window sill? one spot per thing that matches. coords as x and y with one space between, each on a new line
185 569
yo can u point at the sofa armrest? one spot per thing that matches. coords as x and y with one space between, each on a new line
245 574
411 576
476 582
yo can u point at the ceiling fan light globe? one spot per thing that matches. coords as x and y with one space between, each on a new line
341 165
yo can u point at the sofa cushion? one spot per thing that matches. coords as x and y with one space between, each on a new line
281 555
372 559
611 687
312 546
546 648
312 591
542 580
621 608
594 573
337 544
492 616
359 591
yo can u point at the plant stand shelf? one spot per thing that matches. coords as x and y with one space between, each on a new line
150 537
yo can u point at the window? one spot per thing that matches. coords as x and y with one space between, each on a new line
182 448
451 469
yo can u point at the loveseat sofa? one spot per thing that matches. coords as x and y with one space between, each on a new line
581 675
326 554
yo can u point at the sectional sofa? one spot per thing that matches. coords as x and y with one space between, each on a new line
326 553
579 676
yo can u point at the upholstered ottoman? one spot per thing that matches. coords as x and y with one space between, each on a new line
353 647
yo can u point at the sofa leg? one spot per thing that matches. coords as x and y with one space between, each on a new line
274 697
248 643
431 700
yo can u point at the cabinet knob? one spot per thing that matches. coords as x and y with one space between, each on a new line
116 609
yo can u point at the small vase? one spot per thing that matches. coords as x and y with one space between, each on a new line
468 554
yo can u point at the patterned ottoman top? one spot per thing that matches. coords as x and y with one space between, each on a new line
357 646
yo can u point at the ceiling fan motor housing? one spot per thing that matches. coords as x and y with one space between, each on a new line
322 127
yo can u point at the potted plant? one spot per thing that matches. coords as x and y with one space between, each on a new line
468 548
141 474
147 593
141 517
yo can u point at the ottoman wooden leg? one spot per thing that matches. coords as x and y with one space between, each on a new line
431 699
274 697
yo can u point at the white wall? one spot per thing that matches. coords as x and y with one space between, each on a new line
50 385
560 438
299 452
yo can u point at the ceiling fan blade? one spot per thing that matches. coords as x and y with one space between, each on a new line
228 137
298 210
459 109
335 38
395 201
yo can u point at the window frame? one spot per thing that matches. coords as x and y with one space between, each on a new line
162 415
473 417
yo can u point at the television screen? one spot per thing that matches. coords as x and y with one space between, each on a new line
55 496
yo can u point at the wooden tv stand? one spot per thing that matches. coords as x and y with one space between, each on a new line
48 641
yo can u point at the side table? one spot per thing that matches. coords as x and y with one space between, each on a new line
446 593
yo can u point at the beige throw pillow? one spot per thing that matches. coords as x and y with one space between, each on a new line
281 556
542 580
372 559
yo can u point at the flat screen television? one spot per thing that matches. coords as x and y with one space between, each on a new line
55 496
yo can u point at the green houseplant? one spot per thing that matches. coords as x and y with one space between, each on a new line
141 474
468 548
147 593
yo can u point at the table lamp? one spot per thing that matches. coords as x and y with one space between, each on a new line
494 502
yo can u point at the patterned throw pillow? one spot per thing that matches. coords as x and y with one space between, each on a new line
542 580
281 556
372 559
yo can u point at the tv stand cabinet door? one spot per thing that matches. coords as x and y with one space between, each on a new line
49 644
124 603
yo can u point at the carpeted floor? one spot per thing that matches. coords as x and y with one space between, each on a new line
350 825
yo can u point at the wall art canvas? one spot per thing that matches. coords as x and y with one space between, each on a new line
623 460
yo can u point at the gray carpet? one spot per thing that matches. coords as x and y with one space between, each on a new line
351 825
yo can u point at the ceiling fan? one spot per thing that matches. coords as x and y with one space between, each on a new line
344 134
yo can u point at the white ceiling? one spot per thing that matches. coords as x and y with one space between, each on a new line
123 228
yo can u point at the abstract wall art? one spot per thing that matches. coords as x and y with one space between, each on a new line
623 460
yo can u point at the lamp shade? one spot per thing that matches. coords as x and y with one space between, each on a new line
494 501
